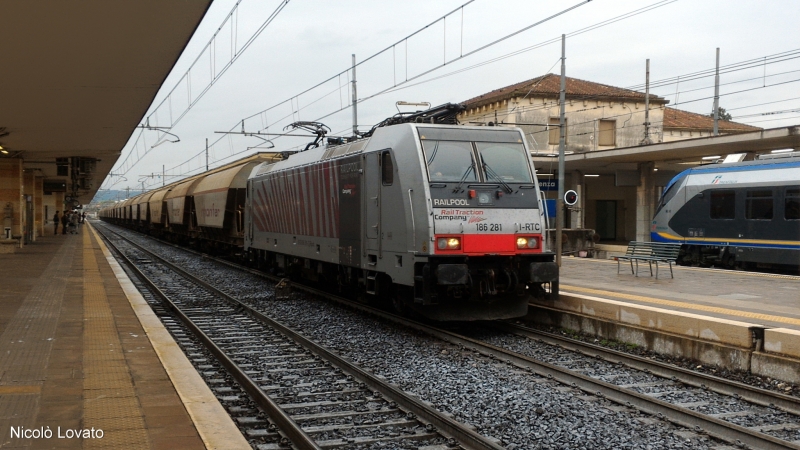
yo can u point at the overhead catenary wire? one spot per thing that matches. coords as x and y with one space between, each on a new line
590 97
682 78
232 16
461 56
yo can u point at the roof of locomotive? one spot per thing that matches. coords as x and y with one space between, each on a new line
360 145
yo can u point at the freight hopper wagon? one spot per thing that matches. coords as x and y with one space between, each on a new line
443 220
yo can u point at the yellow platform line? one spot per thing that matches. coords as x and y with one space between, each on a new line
215 426
676 304
21 389
111 408
704 269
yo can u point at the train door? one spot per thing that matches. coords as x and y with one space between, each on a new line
372 205
350 204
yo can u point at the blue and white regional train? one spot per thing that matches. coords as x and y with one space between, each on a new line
734 215
443 220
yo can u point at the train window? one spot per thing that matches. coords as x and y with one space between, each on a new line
508 161
387 168
758 205
723 204
449 160
792 204
672 189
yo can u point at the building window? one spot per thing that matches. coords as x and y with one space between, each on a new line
723 204
554 127
792 204
607 133
758 205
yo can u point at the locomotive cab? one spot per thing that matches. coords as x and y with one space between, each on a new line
487 240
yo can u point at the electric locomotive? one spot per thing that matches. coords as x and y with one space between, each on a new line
734 215
443 220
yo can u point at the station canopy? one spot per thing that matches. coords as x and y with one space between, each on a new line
79 75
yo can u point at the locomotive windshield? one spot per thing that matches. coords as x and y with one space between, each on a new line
455 161
449 160
508 161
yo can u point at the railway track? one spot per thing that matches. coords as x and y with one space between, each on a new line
702 405
312 398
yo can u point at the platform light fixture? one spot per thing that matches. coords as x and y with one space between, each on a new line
592 175
784 150
709 158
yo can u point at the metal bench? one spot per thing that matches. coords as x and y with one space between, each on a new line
652 252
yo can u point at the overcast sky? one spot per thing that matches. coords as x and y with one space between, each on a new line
310 41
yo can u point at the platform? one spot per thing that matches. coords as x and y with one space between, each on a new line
74 355
768 299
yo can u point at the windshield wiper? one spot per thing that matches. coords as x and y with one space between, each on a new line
497 177
433 153
471 168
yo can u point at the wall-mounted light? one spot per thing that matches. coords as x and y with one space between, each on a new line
3 151
591 175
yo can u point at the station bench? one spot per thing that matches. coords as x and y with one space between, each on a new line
652 252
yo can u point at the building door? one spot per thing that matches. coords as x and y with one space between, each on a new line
606 215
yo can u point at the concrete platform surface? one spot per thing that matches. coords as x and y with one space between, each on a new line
767 299
75 359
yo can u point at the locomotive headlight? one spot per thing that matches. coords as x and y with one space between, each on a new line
527 242
451 243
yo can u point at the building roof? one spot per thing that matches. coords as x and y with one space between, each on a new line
675 119
550 86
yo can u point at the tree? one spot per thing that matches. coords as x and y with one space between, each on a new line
723 115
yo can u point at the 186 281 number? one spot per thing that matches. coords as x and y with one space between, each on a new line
489 226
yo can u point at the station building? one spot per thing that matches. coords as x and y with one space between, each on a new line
616 163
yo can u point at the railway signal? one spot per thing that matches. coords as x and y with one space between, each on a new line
570 197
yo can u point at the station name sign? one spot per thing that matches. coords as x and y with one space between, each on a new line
548 184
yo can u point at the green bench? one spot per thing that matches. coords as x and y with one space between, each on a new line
652 252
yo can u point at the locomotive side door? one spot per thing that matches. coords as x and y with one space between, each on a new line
350 206
372 205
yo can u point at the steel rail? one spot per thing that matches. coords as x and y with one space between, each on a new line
733 388
289 427
684 417
447 426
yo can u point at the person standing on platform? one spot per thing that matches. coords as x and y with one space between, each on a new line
64 221
55 223
74 220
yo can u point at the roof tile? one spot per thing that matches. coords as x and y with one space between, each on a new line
550 86
684 120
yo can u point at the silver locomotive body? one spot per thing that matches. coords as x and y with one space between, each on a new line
443 220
